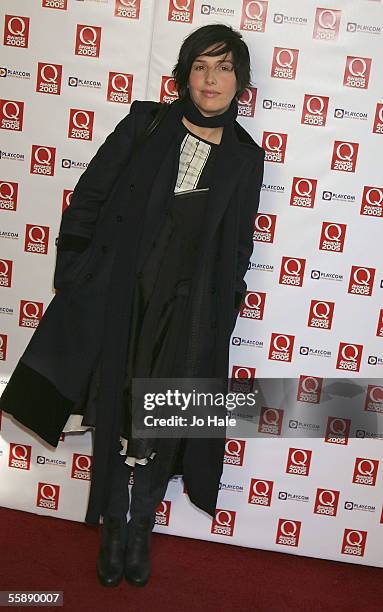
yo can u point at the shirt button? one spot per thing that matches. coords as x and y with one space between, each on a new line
119 218
88 276
131 187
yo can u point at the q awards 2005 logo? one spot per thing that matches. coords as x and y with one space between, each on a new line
344 156
378 121
88 40
303 192
361 280
11 115
321 314
357 72
274 144
326 502
326 25
354 542
281 347
36 239
30 313
223 522
6 272
292 271
314 111
48 495
253 17
332 237
181 11
260 492
285 63
49 78
349 356
8 195
309 389
80 124
288 532
129 9
16 31
372 201
234 452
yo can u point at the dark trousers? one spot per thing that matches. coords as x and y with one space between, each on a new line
142 501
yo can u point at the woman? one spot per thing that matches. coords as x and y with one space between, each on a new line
152 253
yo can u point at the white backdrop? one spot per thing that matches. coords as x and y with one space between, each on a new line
314 305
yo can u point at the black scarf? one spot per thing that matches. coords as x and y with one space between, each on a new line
194 115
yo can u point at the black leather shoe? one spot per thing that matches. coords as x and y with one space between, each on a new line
110 561
137 559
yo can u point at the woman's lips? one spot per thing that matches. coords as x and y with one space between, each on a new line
209 94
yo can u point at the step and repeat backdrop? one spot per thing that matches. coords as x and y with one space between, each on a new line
308 480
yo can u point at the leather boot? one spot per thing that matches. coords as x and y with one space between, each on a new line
110 561
137 558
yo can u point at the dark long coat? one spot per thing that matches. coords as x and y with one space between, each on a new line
117 207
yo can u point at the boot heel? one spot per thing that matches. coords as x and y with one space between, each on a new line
110 561
137 558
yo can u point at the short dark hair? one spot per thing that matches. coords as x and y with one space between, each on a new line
202 38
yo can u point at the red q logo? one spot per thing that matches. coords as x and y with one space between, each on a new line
303 192
36 239
181 11
284 65
361 281
234 451
88 40
48 496
264 227
223 522
372 201
365 471
314 111
292 271
120 87
298 461
275 146
16 31
332 237
354 542
326 25
349 356
281 347
6 272
288 532
253 17
344 156
357 72
326 502
378 121
321 314
246 103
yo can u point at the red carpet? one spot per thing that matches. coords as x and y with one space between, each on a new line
45 553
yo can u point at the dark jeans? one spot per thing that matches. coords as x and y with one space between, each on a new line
142 502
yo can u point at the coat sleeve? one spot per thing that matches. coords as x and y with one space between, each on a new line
250 202
91 191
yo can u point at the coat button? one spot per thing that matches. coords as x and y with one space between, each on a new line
139 275
104 248
131 187
213 290
88 276
119 218
214 324
154 243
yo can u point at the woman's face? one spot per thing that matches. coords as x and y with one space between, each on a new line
212 82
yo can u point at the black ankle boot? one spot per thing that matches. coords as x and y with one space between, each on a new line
110 561
137 558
